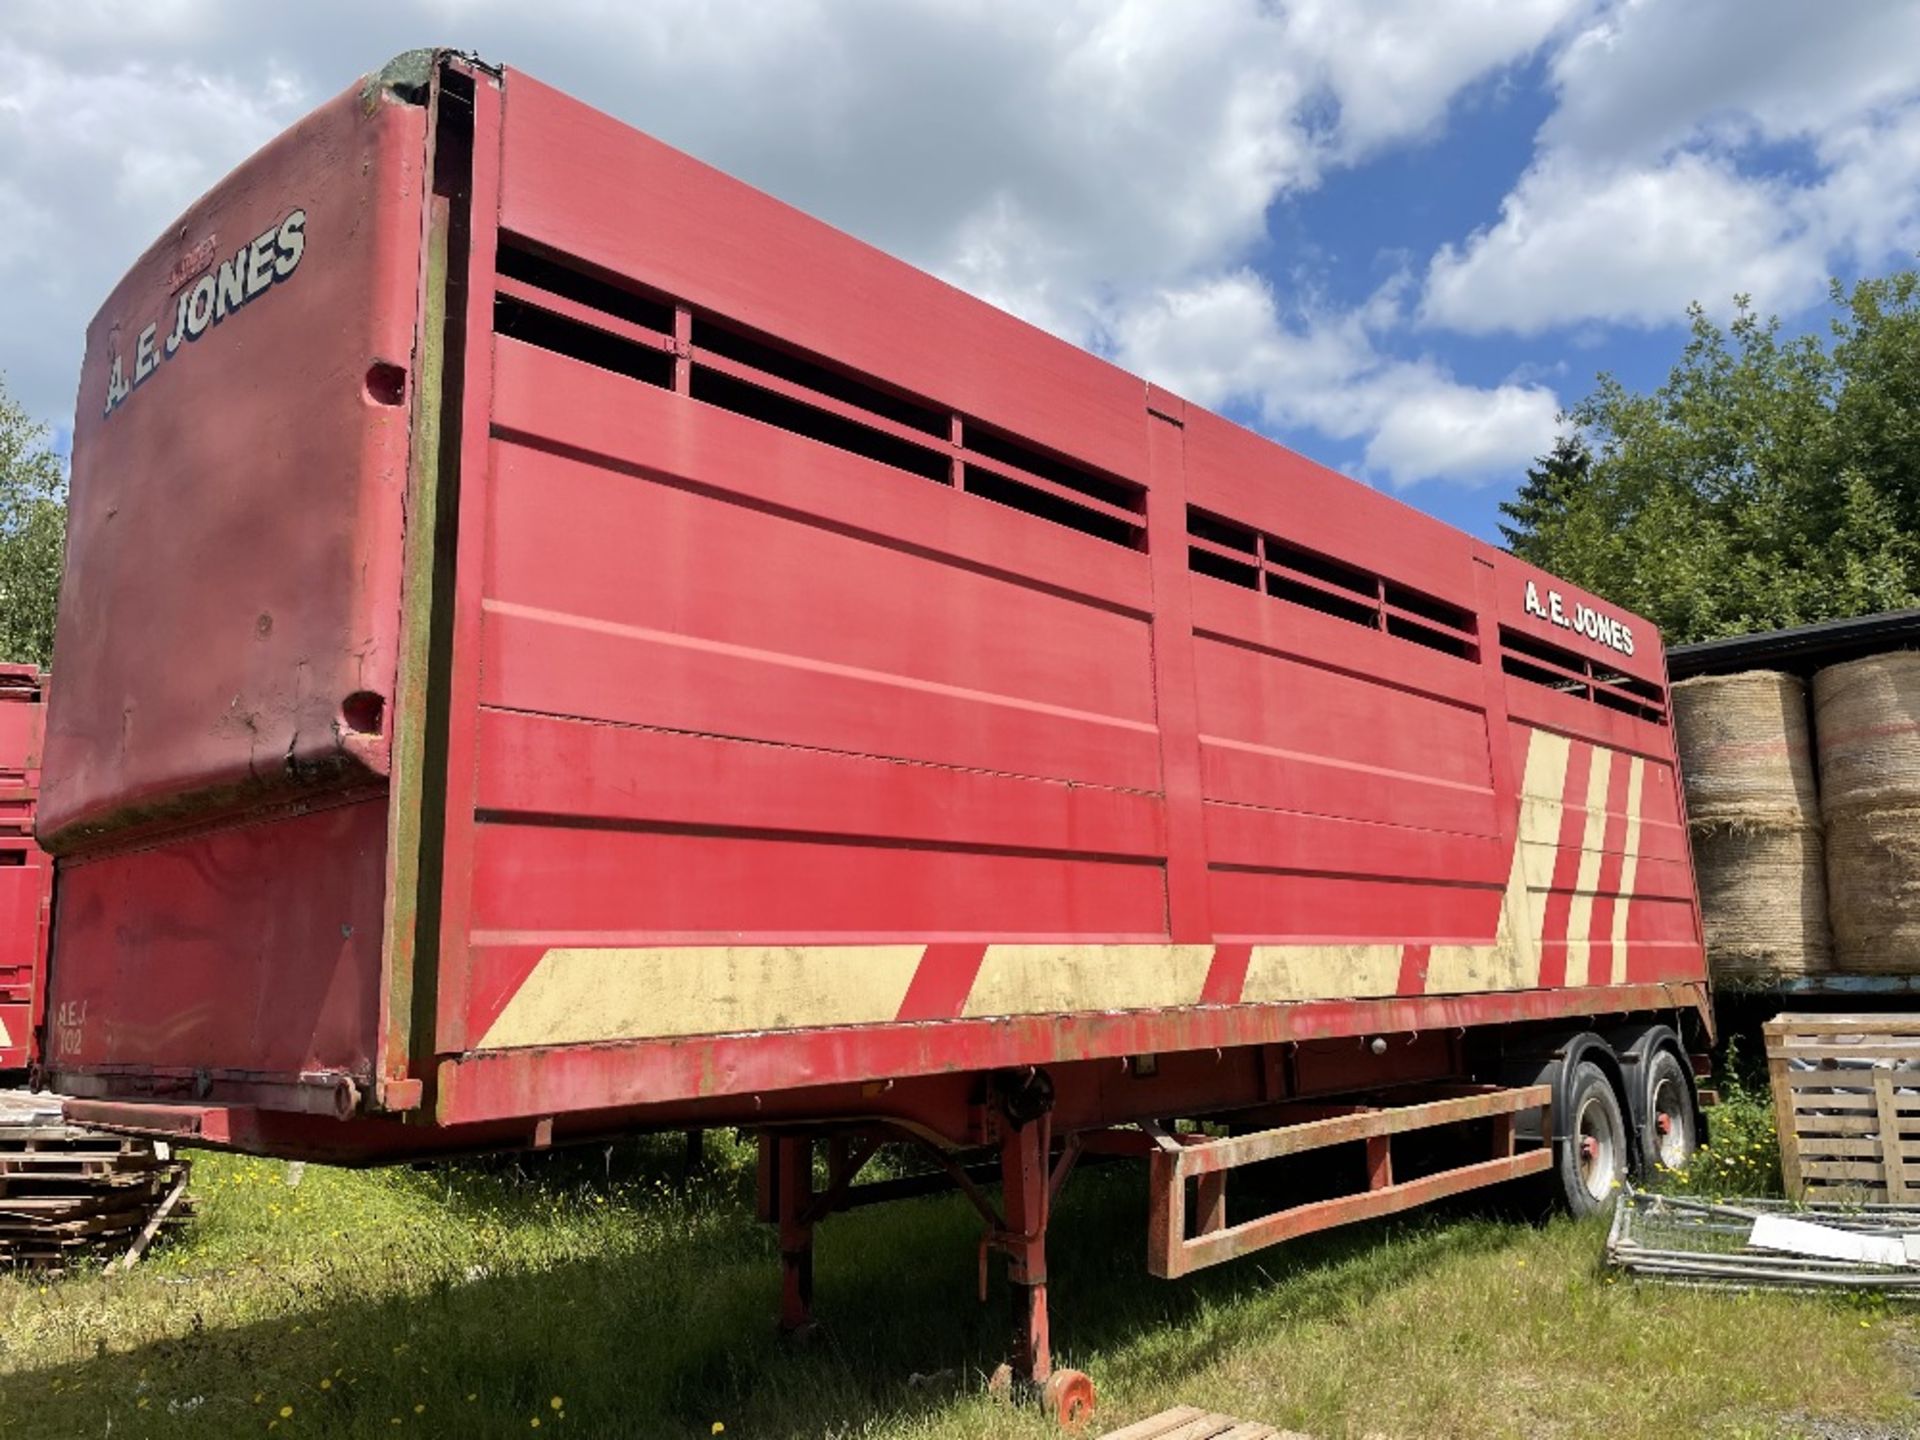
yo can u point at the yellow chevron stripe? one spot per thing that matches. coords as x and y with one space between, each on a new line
578 995
1321 972
588 994
1040 979
1512 962
1586 882
1636 778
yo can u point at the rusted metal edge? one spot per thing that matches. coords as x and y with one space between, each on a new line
491 1085
332 1094
1237 1150
413 800
1180 1256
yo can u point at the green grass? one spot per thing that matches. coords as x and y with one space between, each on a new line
1741 1153
611 1302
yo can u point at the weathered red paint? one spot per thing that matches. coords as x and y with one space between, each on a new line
795 599
235 527
26 871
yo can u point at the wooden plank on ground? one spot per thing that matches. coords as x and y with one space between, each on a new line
1154 1427
1874 1174
1791 1026
1891 1159
1206 1427
1846 1090
66 1192
1190 1422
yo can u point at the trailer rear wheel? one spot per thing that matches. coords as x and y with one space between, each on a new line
1591 1161
1667 1137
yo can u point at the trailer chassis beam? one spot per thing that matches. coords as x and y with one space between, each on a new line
1172 1251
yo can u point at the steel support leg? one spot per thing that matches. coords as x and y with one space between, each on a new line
1024 1157
793 1200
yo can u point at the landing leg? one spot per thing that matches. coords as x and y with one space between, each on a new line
793 1204
1024 1155
1027 1186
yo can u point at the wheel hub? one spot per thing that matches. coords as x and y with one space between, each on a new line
1599 1150
1673 1146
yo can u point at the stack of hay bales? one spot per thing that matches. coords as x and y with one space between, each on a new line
1867 718
1754 813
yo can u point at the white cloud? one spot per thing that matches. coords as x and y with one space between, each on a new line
1869 201
1431 425
1395 69
1701 148
1633 244
1226 340
92 166
1647 75
1069 161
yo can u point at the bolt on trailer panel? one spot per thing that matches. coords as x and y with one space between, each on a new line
768 675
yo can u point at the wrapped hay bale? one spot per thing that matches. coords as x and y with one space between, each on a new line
1867 720
1746 760
1873 880
1763 901
1867 715
1745 751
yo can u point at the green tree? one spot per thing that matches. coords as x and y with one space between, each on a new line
33 522
1772 480
1540 502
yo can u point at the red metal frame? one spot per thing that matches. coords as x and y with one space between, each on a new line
1177 762
1173 1252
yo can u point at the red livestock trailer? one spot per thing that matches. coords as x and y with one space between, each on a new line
556 642
26 871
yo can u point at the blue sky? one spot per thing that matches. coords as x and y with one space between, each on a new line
1399 235
1360 226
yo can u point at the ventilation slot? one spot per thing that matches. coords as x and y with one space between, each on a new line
1241 556
1552 668
515 261
1043 504
1352 608
993 446
1245 574
559 306
770 408
515 317
724 342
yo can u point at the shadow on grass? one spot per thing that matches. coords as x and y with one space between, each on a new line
672 1333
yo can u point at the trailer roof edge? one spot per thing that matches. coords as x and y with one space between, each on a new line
1800 650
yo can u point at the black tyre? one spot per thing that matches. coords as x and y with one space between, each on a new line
1592 1161
1668 1136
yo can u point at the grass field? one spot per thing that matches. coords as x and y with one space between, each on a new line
596 1296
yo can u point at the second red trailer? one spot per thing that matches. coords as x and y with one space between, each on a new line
26 871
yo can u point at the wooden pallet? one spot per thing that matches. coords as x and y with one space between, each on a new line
67 1193
1846 1096
1190 1422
